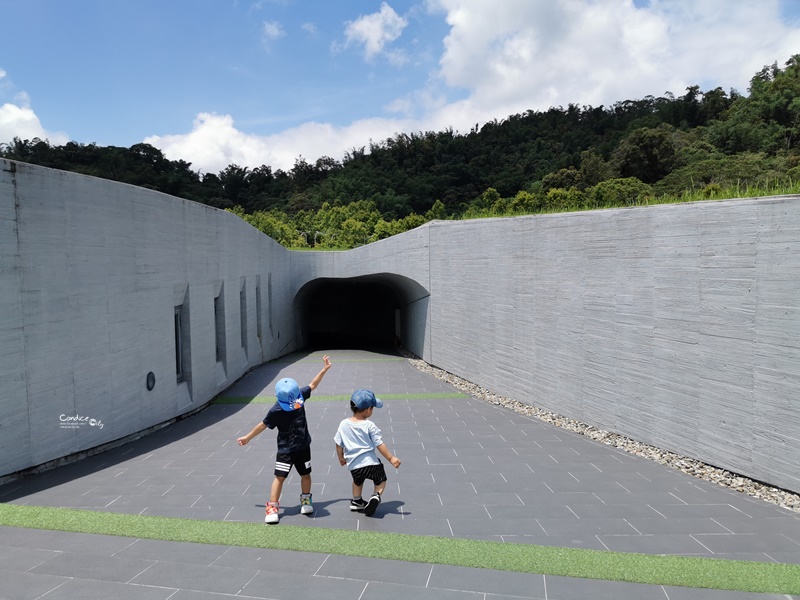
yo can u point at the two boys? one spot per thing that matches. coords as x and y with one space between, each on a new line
357 440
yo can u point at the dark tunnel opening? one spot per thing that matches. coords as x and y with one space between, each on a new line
350 313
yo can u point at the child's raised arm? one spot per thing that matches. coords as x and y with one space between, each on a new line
315 382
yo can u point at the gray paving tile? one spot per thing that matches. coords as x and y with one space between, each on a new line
27 586
279 587
194 595
24 559
748 542
394 591
482 498
264 559
684 511
374 570
224 580
543 511
83 566
792 558
662 526
593 526
684 593
166 551
411 525
63 541
544 497
91 589
568 588
469 527
609 511
523 585
788 526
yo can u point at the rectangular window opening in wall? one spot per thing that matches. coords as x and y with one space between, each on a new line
243 314
219 325
269 306
179 369
258 310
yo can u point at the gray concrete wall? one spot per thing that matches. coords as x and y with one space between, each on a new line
90 274
675 325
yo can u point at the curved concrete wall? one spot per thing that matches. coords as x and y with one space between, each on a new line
91 273
675 325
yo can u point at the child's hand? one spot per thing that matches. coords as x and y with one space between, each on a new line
242 441
395 462
327 360
342 462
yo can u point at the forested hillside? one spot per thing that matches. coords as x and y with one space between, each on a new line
702 144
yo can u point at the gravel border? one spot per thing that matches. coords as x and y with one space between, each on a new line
733 481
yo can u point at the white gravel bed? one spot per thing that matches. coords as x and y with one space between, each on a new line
691 466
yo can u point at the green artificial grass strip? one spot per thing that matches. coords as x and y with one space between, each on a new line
745 576
330 398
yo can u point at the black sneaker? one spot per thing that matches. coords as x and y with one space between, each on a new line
358 504
372 504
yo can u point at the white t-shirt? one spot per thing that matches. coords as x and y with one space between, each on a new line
359 440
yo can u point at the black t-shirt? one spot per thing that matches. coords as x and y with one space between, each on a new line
292 426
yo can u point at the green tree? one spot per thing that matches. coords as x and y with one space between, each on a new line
564 179
594 168
768 120
559 199
437 212
617 192
526 203
647 154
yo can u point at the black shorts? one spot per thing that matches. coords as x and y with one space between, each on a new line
375 473
301 461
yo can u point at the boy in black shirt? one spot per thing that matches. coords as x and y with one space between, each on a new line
288 415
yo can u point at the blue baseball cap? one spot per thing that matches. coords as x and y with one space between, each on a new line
363 399
288 393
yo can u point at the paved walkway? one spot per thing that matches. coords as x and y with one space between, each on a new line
470 470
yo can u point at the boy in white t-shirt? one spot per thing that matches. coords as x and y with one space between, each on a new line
357 439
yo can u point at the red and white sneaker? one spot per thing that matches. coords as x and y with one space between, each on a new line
272 513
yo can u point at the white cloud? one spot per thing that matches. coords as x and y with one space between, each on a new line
517 55
22 122
214 143
272 30
376 30
17 118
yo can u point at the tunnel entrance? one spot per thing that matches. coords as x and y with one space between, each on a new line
361 312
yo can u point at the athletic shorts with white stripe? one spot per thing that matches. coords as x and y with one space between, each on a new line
375 473
301 461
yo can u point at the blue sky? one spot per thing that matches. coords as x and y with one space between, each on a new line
255 82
